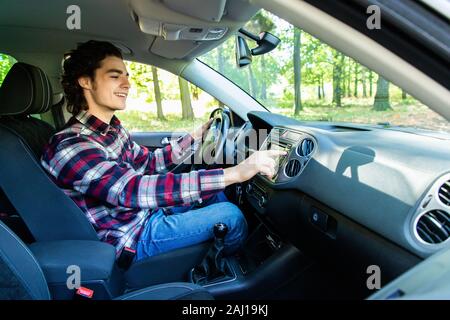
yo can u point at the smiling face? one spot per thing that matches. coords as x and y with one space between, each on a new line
108 91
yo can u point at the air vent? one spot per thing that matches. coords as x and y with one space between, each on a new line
444 193
434 226
305 148
293 167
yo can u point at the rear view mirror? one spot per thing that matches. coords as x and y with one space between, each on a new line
243 54
266 43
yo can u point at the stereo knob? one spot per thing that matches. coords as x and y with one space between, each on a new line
249 188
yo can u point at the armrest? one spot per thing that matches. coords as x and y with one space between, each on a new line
96 259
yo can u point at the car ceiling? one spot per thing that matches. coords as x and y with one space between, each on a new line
36 31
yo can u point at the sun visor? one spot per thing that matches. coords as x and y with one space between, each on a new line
173 49
208 10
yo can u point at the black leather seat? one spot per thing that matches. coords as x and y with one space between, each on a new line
47 212
21 277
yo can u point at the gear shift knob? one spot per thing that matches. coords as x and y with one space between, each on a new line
220 230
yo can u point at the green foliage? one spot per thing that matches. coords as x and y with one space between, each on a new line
6 62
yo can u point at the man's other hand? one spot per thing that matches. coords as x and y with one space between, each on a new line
198 133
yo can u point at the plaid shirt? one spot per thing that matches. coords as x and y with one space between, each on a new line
117 183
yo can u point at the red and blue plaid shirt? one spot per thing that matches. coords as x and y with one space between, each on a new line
117 183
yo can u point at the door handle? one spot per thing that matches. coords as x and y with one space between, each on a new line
165 141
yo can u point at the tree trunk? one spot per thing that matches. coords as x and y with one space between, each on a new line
349 79
364 82
263 80
185 97
381 102
323 87
251 81
344 78
403 95
157 91
297 71
355 92
371 83
220 67
337 78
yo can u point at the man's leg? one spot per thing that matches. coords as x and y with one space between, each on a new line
168 232
218 197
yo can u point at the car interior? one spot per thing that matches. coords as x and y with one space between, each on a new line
345 197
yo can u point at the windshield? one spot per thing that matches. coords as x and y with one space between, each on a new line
306 79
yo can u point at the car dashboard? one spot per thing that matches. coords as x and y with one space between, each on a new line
392 186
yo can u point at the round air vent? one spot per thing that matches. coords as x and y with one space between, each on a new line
444 193
433 227
293 167
306 147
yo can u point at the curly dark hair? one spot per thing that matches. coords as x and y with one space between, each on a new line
83 61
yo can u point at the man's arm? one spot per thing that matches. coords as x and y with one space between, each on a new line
81 165
162 158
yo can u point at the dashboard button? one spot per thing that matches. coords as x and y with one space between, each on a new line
319 219
262 202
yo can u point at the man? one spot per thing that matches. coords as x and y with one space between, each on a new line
123 188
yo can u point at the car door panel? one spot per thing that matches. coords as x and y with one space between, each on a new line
154 140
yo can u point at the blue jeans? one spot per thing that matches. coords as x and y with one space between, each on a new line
189 225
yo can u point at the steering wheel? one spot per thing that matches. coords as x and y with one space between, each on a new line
211 150
213 146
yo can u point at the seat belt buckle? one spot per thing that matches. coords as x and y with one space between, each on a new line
126 258
83 293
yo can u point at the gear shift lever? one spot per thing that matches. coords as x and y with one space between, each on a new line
213 265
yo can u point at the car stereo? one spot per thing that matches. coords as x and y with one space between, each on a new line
273 143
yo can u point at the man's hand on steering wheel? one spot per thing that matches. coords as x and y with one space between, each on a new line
199 132
211 138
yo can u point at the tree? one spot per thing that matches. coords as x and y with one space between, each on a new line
364 81
6 63
322 86
355 92
220 66
297 71
338 63
262 21
381 101
263 83
157 91
349 78
404 95
186 107
252 81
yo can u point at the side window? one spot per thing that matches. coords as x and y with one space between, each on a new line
6 63
161 101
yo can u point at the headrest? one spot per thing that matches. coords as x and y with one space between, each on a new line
25 90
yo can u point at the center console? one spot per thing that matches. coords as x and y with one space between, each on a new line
267 260
299 146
